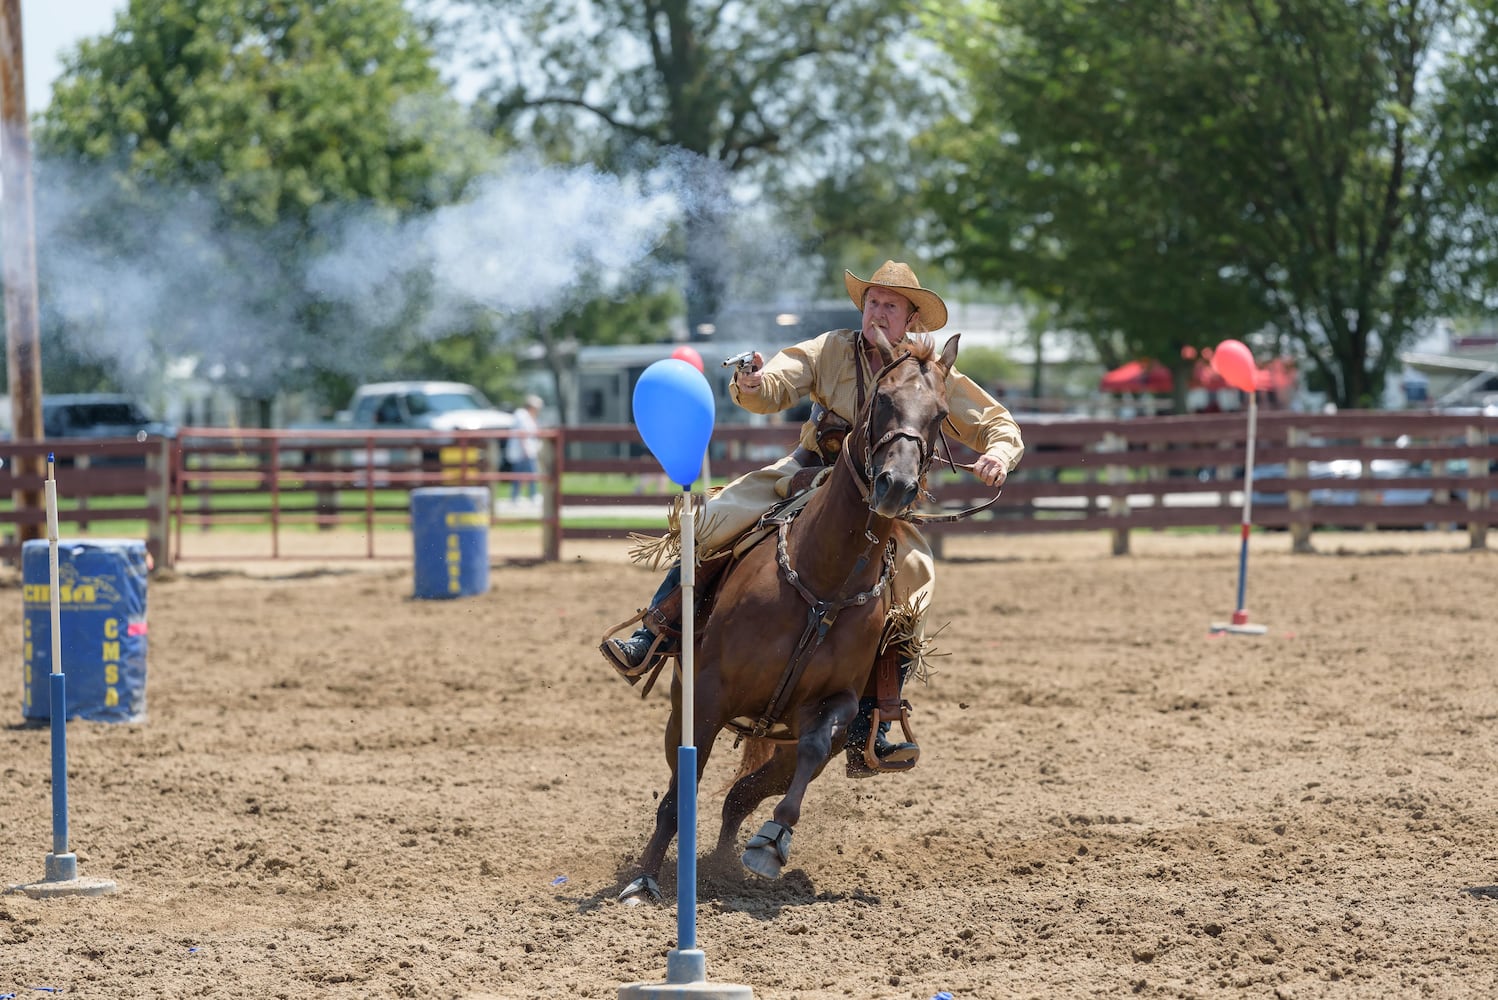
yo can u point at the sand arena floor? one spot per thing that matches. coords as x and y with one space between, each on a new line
344 792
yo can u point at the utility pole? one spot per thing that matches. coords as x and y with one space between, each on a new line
23 356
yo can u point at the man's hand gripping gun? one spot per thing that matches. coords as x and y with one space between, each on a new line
744 362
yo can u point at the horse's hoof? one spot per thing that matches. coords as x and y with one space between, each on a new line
768 850
641 890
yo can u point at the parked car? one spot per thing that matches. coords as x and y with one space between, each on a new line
415 405
439 406
99 415
1403 479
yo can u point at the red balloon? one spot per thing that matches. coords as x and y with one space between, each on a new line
1235 363
689 355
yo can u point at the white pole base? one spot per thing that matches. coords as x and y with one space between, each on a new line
686 970
69 887
1232 628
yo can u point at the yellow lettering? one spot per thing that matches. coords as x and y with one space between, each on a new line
111 630
111 673
111 651
111 697
471 519
27 650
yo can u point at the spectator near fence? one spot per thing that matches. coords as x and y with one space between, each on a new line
522 450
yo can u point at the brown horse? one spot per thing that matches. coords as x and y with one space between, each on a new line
769 661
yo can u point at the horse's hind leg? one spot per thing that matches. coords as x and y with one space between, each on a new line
769 849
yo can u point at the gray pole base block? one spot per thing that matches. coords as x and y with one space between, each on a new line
685 973
69 887
60 878
1235 629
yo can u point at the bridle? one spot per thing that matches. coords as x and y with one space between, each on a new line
872 447
928 455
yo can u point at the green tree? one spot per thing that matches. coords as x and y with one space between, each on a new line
809 98
1468 110
219 141
1172 172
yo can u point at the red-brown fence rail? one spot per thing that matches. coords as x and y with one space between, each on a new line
1312 471
101 483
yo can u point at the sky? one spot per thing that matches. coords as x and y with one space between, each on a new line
48 27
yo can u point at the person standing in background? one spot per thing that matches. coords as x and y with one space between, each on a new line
522 450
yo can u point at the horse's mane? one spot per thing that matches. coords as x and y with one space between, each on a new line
921 345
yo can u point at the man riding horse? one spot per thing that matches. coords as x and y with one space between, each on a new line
833 369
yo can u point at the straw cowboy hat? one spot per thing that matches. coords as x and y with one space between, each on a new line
898 277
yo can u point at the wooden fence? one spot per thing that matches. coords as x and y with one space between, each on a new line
1340 471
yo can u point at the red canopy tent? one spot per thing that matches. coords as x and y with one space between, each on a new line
1138 376
1154 378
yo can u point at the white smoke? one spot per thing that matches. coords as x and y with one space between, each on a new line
526 240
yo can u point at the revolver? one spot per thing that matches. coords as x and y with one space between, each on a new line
744 361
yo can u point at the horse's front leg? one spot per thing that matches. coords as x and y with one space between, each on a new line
769 849
646 885
766 770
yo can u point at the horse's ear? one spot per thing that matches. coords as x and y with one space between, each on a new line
949 351
881 341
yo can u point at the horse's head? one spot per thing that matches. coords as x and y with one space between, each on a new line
897 435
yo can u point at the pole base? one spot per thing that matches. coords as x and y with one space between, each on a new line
686 970
60 878
71 887
1235 628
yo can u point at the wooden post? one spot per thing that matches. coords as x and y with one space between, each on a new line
159 461
552 447
18 248
1477 497
1299 501
1118 505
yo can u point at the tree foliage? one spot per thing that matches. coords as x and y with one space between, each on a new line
213 142
813 99
1172 172
1468 112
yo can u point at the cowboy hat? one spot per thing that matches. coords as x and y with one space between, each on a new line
898 277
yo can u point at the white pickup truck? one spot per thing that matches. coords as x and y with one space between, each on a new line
438 406
413 405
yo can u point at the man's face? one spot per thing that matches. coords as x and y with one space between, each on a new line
888 311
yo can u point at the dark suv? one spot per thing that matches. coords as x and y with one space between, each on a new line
98 415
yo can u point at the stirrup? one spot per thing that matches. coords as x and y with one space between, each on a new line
655 657
872 760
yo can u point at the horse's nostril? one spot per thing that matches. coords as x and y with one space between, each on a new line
893 491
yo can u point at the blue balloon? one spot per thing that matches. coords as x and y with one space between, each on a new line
674 411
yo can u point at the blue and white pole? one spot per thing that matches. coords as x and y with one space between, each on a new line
60 872
687 963
1235 363
62 864
673 409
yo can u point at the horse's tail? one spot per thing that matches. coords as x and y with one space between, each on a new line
754 756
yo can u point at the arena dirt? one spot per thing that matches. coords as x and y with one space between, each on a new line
344 792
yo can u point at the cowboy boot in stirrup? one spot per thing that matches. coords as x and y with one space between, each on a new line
635 655
891 756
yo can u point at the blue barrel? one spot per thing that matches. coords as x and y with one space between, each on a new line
450 533
102 621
